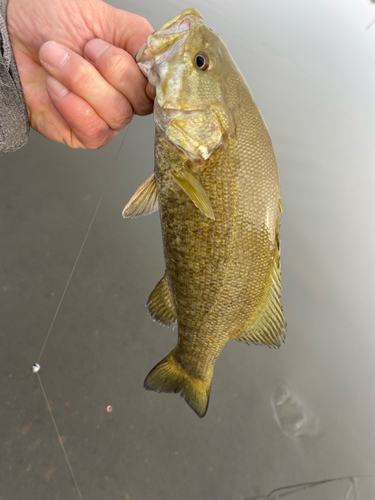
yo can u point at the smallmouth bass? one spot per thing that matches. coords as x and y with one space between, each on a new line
216 185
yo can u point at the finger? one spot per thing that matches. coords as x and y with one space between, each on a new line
43 115
87 128
127 30
121 71
81 78
151 91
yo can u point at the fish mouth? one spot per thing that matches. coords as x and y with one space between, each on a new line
187 13
166 42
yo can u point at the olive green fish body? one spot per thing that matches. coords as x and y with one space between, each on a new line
217 188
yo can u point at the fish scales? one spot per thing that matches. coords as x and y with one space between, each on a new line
218 193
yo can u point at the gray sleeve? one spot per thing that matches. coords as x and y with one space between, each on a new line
14 119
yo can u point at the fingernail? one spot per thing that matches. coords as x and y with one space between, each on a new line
54 54
95 48
56 87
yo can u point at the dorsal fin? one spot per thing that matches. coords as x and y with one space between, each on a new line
144 201
160 304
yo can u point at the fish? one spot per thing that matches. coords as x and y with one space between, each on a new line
216 186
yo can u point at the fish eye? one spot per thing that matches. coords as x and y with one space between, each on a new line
202 61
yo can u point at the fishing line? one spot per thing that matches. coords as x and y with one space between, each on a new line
36 366
60 440
83 244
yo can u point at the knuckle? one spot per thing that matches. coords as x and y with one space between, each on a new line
95 132
83 78
144 107
123 113
116 64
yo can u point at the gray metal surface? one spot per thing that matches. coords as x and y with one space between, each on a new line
301 414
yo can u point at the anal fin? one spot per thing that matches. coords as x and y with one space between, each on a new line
144 201
160 304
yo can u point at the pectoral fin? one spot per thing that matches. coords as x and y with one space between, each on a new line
144 201
194 189
160 304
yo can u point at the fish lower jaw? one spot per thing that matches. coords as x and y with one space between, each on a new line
147 69
172 109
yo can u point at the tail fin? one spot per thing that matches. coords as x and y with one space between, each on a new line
170 376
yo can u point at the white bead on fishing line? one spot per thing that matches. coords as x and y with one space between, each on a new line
35 368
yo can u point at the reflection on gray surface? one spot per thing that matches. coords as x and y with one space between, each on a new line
292 415
311 67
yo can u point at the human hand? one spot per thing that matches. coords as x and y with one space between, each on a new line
86 87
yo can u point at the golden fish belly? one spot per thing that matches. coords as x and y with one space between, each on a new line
219 271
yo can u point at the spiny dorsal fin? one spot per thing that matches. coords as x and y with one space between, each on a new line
160 304
194 189
270 325
144 201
